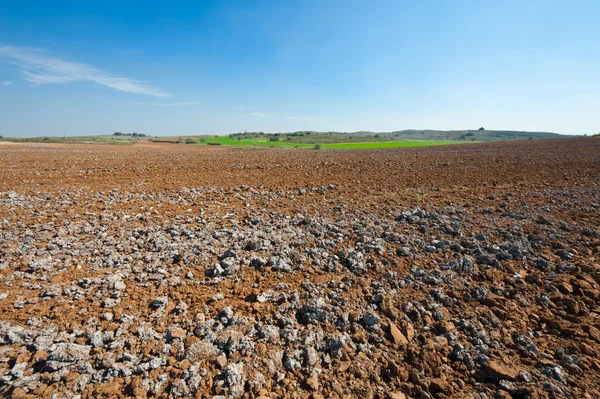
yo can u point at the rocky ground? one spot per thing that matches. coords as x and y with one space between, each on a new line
467 271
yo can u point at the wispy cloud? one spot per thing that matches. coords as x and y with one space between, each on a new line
40 68
5 83
258 114
300 118
173 104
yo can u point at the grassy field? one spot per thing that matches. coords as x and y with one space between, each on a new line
308 139
323 142
265 142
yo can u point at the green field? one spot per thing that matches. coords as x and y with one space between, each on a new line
265 142
325 142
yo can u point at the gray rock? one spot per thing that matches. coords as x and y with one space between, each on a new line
18 369
370 319
280 263
160 302
44 264
269 333
227 316
312 312
97 339
200 351
179 389
217 297
65 354
557 372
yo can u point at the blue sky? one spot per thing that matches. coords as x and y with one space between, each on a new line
216 67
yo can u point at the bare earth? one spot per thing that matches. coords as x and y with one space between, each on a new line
467 271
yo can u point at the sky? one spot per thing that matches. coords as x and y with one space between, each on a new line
218 67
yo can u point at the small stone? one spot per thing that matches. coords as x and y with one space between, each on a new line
313 382
279 263
501 370
370 319
217 297
160 302
110 303
430 249
524 376
556 372
408 330
18 369
221 361
397 336
176 333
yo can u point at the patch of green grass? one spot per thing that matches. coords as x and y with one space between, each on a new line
260 141
265 142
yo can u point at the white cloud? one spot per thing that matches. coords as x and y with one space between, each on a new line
5 83
39 68
173 104
258 114
300 118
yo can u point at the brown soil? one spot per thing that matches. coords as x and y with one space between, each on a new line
466 271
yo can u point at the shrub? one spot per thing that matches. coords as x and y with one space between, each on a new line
317 146
213 143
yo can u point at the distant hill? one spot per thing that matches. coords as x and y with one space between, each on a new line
479 135
451 135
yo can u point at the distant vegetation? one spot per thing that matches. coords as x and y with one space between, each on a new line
313 139
129 134
107 139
